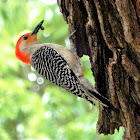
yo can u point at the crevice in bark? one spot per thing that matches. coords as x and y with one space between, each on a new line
136 4
109 32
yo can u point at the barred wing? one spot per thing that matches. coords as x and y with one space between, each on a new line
54 68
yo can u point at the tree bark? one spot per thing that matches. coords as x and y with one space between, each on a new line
108 31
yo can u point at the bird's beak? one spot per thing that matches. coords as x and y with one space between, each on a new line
35 31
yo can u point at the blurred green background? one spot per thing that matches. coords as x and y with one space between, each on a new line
32 108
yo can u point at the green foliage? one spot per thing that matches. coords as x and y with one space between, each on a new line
29 107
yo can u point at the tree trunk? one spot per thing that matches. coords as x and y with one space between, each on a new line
108 31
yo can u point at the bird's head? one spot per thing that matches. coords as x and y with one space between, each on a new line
24 43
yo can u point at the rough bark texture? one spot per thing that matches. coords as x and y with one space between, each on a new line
109 32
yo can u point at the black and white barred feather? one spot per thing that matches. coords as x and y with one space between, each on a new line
54 68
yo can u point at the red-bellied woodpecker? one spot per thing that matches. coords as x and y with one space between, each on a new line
58 65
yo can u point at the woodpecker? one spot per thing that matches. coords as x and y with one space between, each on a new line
58 65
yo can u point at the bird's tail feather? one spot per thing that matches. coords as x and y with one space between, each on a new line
95 95
102 100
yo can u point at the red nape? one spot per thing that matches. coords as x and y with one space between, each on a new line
22 56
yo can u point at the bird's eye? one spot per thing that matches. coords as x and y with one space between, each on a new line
25 38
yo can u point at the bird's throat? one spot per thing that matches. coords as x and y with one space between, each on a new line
22 56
